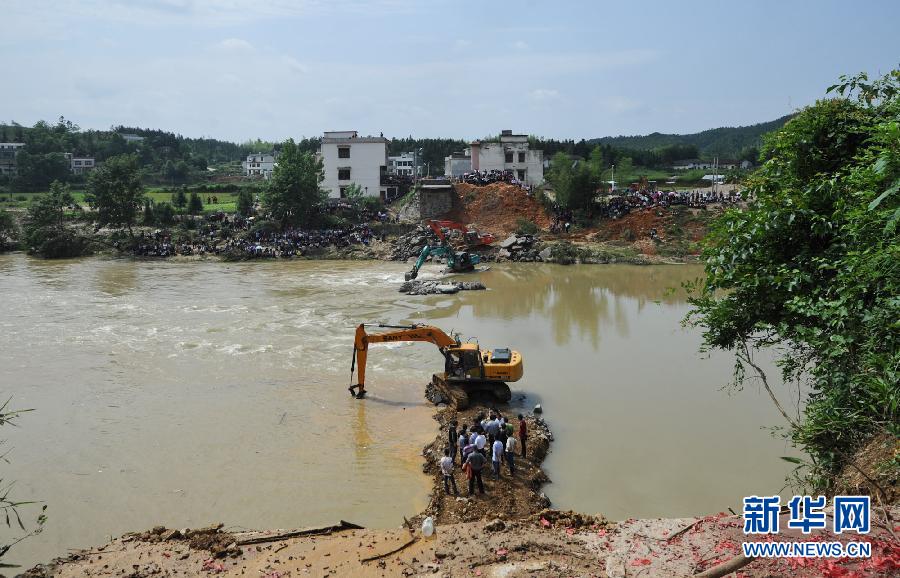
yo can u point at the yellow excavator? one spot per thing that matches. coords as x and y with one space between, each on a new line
467 368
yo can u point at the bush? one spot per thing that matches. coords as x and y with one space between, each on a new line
165 214
265 227
57 243
526 227
565 253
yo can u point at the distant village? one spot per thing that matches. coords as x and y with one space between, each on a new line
351 159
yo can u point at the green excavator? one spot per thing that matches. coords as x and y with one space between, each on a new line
457 261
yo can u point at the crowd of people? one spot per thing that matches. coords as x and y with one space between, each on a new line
489 439
235 236
618 205
482 178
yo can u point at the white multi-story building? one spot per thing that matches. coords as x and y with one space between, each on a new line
405 165
8 152
510 153
457 164
349 158
82 165
259 165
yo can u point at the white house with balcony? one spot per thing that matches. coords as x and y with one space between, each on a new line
348 158
405 165
510 153
259 165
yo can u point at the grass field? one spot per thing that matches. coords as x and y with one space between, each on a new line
227 202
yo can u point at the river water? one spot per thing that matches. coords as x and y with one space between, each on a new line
183 393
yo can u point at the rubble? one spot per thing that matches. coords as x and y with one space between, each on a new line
410 244
522 248
436 287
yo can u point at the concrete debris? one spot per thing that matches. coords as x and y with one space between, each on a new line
509 242
521 248
411 244
434 287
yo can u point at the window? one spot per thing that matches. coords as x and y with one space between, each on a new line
343 152
344 174
521 174
509 156
343 192
521 157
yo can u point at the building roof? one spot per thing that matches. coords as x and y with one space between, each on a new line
354 139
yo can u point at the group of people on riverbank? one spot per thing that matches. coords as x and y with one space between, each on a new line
617 206
490 439
483 178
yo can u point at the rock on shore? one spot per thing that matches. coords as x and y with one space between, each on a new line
435 287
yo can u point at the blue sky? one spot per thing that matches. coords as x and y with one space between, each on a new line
276 69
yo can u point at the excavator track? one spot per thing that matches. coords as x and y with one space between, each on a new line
458 393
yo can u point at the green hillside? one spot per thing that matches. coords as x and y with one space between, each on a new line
726 142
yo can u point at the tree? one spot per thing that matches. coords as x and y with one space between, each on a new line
559 175
245 203
179 199
165 214
195 203
625 168
9 230
293 196
46 233
353 193
35 172
575 183
149 215
810 270
115 191
50 210
596 161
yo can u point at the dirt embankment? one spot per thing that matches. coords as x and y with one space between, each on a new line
513 496
497 208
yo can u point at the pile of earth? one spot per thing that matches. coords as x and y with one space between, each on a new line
498 208
435 287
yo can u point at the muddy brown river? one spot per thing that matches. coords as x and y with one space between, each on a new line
188 393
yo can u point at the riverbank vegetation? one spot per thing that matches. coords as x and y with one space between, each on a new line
811 270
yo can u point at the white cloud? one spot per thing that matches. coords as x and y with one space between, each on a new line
294 64
235 44
520 45
543 94
461 44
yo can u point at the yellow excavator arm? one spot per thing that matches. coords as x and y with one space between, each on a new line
361 343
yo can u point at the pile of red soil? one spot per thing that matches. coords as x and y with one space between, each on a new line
496 208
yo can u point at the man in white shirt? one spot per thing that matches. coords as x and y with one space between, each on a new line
511 443
447 471
480 442
497 458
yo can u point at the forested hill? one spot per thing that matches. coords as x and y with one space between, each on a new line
726 141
